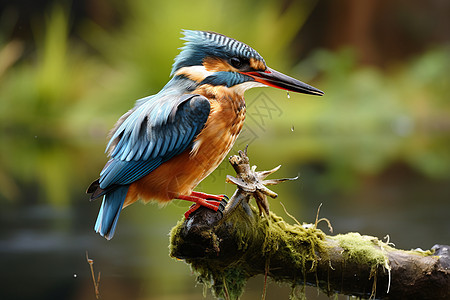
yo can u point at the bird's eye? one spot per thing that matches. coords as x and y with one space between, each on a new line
236 62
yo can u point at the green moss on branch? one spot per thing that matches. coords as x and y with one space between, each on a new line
226 251
244 245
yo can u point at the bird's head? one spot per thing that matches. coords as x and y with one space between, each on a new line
213 59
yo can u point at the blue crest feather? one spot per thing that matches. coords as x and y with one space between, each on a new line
201 44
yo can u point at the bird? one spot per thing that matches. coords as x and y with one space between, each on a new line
164 146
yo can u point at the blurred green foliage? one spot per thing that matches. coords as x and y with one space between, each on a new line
58 102
370 118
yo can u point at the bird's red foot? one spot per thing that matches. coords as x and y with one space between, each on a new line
214 202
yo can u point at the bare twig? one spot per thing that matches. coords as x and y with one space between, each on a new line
251 182
96 282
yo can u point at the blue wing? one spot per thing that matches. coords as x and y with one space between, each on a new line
152 133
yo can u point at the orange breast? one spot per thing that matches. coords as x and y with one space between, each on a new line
181 174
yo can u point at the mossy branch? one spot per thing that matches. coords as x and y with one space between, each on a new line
227 250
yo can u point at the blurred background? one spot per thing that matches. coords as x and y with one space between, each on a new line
375 150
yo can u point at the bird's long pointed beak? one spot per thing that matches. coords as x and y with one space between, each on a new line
278 80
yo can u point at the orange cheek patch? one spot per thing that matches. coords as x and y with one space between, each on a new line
214 64
257 64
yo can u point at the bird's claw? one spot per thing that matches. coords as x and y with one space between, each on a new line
222 204
218 206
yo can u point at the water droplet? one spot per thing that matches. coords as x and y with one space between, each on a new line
289 96
292 128
75 275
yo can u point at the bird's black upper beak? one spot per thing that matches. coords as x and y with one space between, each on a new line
276 79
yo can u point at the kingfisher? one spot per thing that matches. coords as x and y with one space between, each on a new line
164 146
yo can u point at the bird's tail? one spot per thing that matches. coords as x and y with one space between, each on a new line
110 211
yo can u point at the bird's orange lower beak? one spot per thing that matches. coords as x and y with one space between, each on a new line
278 80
